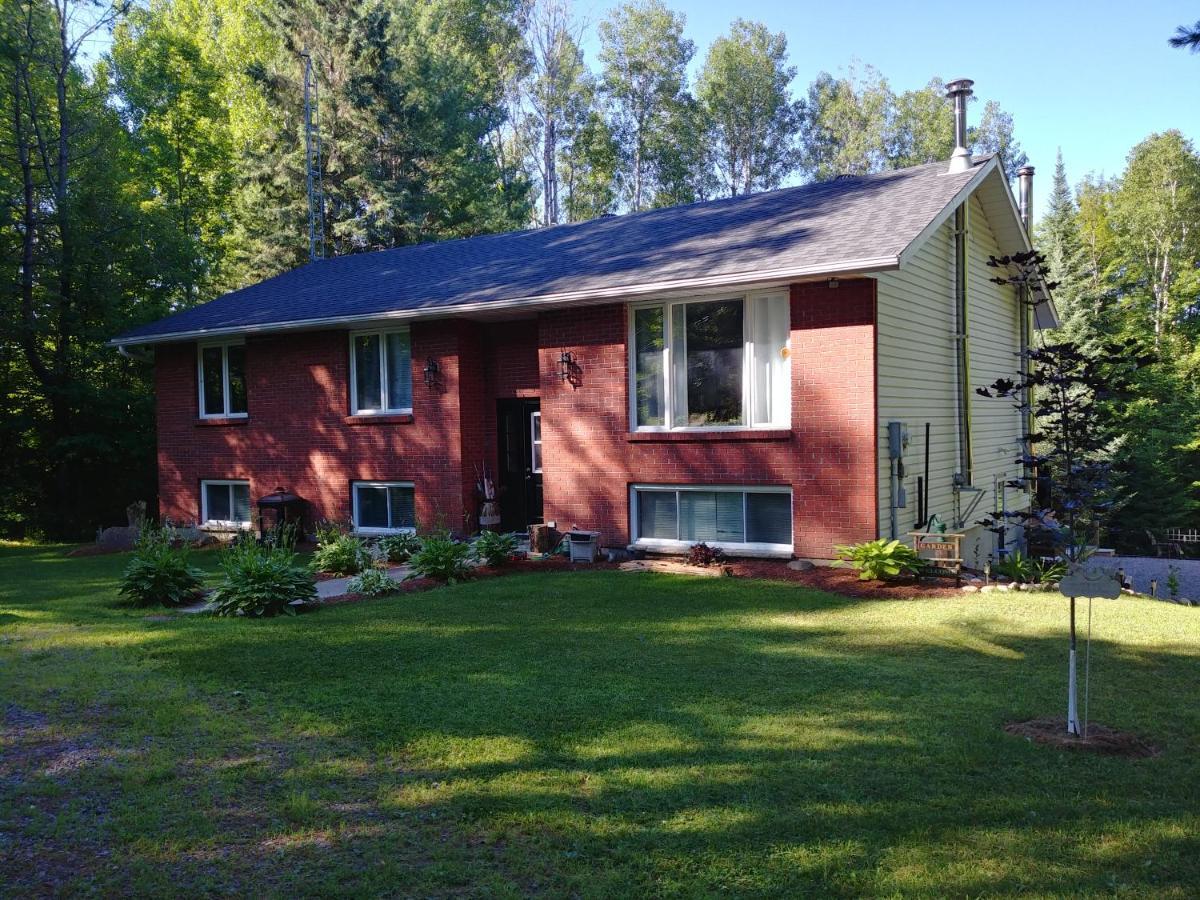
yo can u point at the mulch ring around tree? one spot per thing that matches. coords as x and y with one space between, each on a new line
1100 738
844 581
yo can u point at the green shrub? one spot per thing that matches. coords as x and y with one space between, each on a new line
343 555
261 581
1048 570
879 560
442 558
703 555
158 572
373 583
495 549
399 548
329 530
1015 566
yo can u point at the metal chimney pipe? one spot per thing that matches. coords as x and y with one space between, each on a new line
960 91
1025 197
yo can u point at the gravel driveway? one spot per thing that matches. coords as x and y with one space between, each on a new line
1140 569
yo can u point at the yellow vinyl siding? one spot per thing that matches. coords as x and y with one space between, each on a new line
917 383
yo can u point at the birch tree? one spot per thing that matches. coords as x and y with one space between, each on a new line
645 58
745 101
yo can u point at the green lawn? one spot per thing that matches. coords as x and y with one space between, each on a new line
590 734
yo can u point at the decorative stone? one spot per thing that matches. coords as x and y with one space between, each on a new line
989 589
121 537
801 565
970 589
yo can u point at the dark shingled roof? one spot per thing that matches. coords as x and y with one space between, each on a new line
828 226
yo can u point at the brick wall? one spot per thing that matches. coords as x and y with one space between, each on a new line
298 434
828 457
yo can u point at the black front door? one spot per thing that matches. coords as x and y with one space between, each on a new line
520 483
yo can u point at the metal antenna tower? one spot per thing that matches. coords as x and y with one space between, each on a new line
312 162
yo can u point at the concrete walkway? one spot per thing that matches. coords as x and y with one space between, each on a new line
335 587
331 587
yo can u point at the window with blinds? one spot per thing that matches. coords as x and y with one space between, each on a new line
675 517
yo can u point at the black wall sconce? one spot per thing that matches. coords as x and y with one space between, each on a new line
432 373
566 365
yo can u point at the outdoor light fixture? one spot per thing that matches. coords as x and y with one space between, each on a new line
431 372
566 364
833 283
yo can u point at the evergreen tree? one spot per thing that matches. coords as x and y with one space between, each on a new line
1058 236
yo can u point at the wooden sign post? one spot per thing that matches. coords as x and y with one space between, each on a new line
942 552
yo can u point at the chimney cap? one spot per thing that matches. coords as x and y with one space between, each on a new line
959 86
1025 170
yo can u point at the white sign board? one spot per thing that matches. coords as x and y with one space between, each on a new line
1098 583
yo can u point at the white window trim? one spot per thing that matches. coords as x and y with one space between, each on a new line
663 545
748 396
223 524
383 379
355 485
225 392
535 418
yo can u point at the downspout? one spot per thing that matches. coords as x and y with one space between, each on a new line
963 478
960 161
1025 203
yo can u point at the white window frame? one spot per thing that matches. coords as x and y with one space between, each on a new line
387 409
664 545
535 442
749 397
355 485
223 524
225 392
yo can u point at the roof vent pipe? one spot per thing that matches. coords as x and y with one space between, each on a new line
1025 197
960 92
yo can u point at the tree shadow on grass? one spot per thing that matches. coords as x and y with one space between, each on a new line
677 738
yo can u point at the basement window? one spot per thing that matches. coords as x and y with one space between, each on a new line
384 507
381 373
222 379
225 504
711 364
672 518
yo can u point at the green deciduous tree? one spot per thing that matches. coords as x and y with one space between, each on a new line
645 56
745 103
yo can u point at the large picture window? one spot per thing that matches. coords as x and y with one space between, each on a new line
225 504
384 507
222 380
747 519
380 373
711 363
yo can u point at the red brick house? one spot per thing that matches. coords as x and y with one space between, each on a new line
724 371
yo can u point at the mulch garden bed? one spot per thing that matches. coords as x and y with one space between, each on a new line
551 564
1100 738
844 581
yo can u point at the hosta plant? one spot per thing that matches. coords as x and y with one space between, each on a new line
495 549
158 572
399 548
441 558
373 583
880 559
261 581
342 555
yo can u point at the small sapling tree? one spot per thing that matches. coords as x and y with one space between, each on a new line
1065 391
